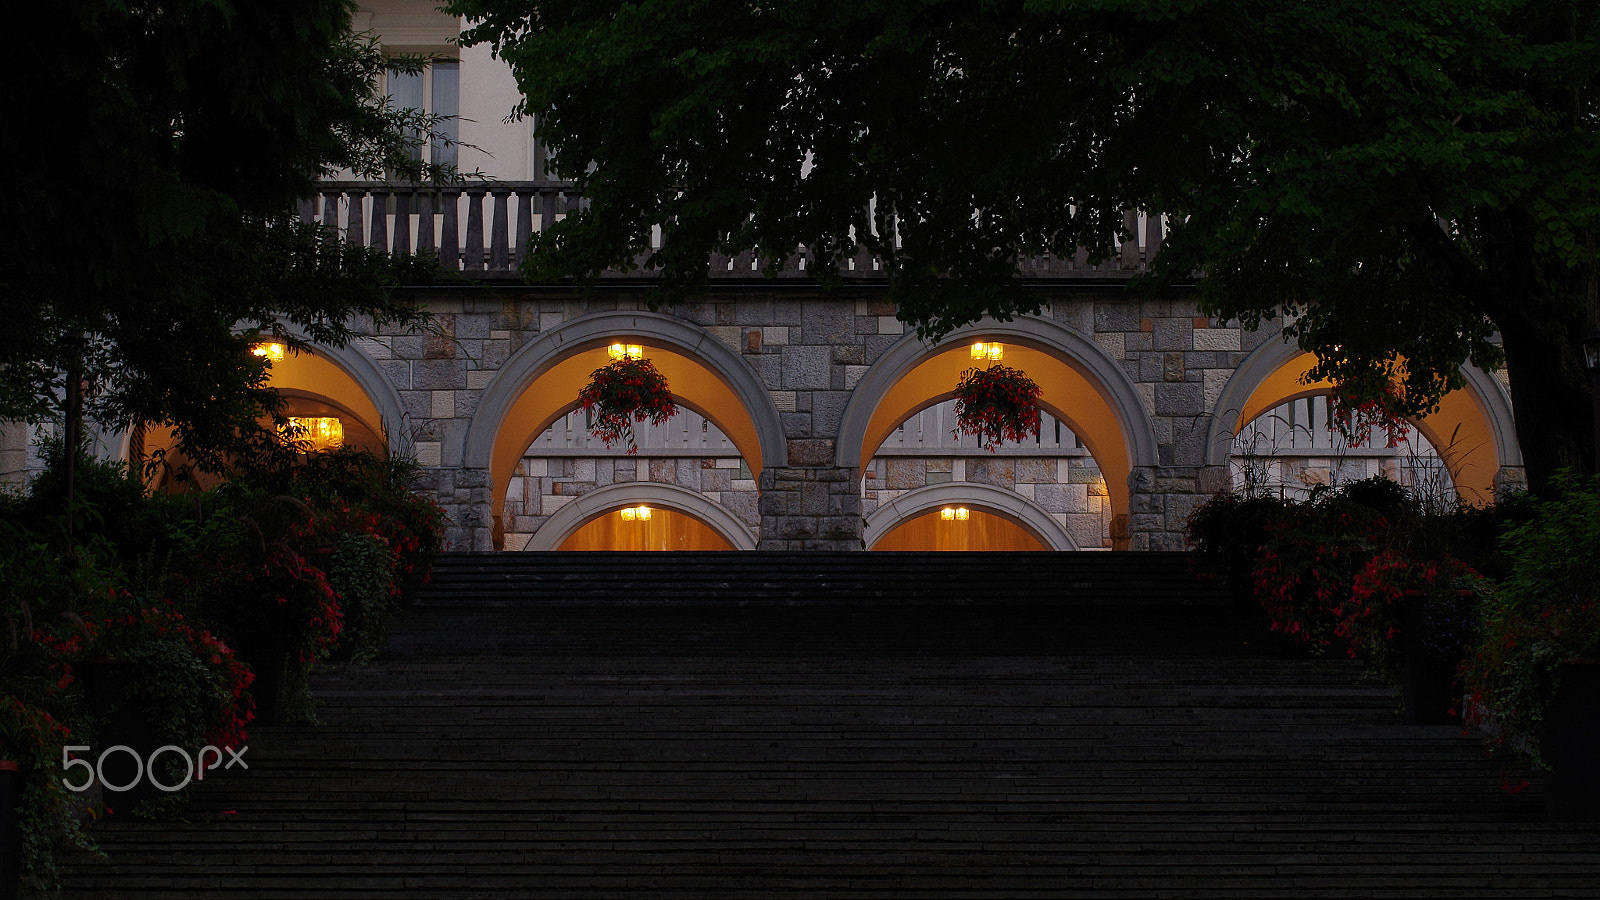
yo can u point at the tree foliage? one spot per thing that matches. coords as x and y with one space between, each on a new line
155 154
1399 183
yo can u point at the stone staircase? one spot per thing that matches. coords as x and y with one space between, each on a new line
535 733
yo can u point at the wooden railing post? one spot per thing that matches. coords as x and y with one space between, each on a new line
473 261
380 220
355 223
449 229
402 220
500 230
425 222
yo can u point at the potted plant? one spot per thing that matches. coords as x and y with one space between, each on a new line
152 679
622 393
1412 621
1533 676
997 404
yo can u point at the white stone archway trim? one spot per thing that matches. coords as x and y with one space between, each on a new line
1008 504
520 371
1044 334
572 516
1266 359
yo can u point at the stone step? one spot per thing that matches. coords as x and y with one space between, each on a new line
711 577
522 749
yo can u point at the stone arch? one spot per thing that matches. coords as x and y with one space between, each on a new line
1006 504
1473 430
1083 387
569 518
345 381
349 378
706 375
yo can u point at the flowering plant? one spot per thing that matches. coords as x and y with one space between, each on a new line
1354 415
997 404
190 684
1546 612
29 734
1308 562
622 393
1440 595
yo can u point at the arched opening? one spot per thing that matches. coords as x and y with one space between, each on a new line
598 520
539 388
973 529
1291 449
1054 471
314 385
1026 525
1472 431
645 528
1082 389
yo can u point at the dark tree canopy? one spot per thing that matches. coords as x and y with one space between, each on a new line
155 153
1395 181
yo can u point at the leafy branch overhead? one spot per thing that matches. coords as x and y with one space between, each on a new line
149 212
1417 181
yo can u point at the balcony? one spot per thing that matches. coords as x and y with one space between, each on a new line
477 229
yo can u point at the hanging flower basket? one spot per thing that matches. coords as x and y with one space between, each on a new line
622 393
997 404
1355 414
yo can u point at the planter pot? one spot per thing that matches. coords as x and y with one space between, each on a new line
121 723
1427 672
264 647
1572 744
12 782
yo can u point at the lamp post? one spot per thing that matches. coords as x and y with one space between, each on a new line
1591 361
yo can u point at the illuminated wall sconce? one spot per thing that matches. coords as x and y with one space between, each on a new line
316 433
990 351
954 514
635 513
625 351
272 351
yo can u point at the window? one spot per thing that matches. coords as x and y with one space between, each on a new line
436 90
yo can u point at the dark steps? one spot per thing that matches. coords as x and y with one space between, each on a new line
787 746
743 577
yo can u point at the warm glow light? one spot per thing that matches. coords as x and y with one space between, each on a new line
271 350
947 513
635 513
991 351
316 433
628 351
954 514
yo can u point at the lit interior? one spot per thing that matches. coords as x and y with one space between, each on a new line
980 530
659 529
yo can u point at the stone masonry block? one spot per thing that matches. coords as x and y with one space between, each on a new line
1174 334
1187 399
904 473
811 452
998 472
1216 339
806 368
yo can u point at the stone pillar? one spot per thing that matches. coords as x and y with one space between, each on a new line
811 508
464 495
1160 501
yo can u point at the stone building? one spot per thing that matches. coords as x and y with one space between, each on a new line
812 419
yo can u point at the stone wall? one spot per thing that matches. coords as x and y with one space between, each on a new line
810 352
1070 489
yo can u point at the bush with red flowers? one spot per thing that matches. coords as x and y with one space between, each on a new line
997 404
622 393
1439 597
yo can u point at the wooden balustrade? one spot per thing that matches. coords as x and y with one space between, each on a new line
450 223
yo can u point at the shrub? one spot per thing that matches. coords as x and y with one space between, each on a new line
1546 611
